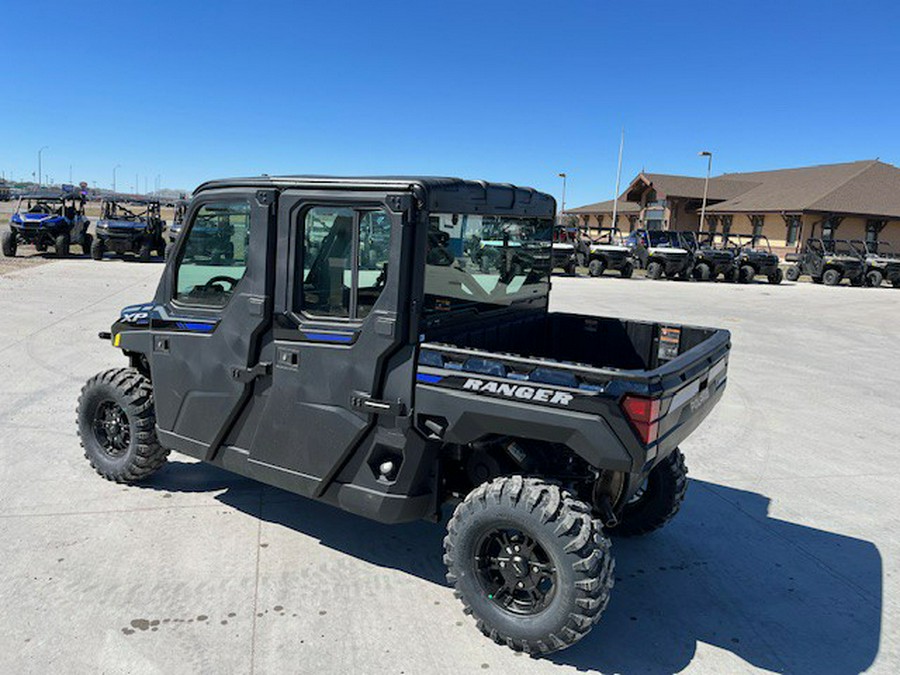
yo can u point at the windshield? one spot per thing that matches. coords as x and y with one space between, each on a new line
610 237
43 206
476 261
839 247
663 239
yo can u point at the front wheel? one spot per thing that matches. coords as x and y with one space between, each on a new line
596 267
658 500
793 273
530 563
746 274
874 278
145 251
832 277
627 270
98 248
702 272
570 268
87 241
61 244
654 270
9 244
776 277
117 426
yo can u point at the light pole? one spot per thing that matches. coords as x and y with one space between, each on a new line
708 155
563 210
39 164
114 177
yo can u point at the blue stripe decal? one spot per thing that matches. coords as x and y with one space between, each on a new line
429 379
191 325
329 337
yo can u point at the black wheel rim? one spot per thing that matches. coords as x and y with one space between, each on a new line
111 429
515 571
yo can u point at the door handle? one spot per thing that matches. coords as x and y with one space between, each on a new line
247 375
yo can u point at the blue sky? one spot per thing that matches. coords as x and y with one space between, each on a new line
514 91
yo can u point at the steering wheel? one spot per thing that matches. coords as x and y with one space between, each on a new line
221 278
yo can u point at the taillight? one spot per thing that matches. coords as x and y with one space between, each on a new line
643 413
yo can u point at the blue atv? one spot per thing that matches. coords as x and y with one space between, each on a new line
48 219
129 225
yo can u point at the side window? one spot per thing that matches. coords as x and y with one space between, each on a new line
345 255
214 257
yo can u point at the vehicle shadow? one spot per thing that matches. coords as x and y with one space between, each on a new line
775 594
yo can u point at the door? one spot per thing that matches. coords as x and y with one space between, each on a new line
212 307
342 317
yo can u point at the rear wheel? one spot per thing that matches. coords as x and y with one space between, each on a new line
596 267
793 273
61 244
859 280
116 424
87 242
570 268
40 246
896 283
657 500
776 277
874 278
627 270
98 248
702 272
9 244
747 274
832 277
654 270
530 562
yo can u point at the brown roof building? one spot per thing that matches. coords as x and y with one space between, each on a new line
853 200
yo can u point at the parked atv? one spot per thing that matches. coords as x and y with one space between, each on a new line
609 251
828 261
129 225
399 387
48 219
175 228
753 258
711 254
570 248
661 252
882 262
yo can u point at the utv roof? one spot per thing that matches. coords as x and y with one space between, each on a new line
50 195
124 199
441 193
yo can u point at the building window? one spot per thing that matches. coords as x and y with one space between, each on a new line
873 229
757 222
793 230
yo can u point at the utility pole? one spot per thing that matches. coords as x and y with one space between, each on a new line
40 175
563 210
708 155
114 177
615 220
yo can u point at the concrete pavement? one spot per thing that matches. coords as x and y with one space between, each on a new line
784 557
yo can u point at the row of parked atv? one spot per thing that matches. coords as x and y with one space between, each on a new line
733 257
127 225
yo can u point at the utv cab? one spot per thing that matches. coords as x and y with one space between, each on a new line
753 258
661 252
129 225
609 251
882 262
711 254
828 261
352 349
48 219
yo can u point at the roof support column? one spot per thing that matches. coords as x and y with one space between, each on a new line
757 220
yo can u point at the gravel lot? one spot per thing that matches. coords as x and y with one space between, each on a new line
784 557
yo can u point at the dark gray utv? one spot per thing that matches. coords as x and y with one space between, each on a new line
391 375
